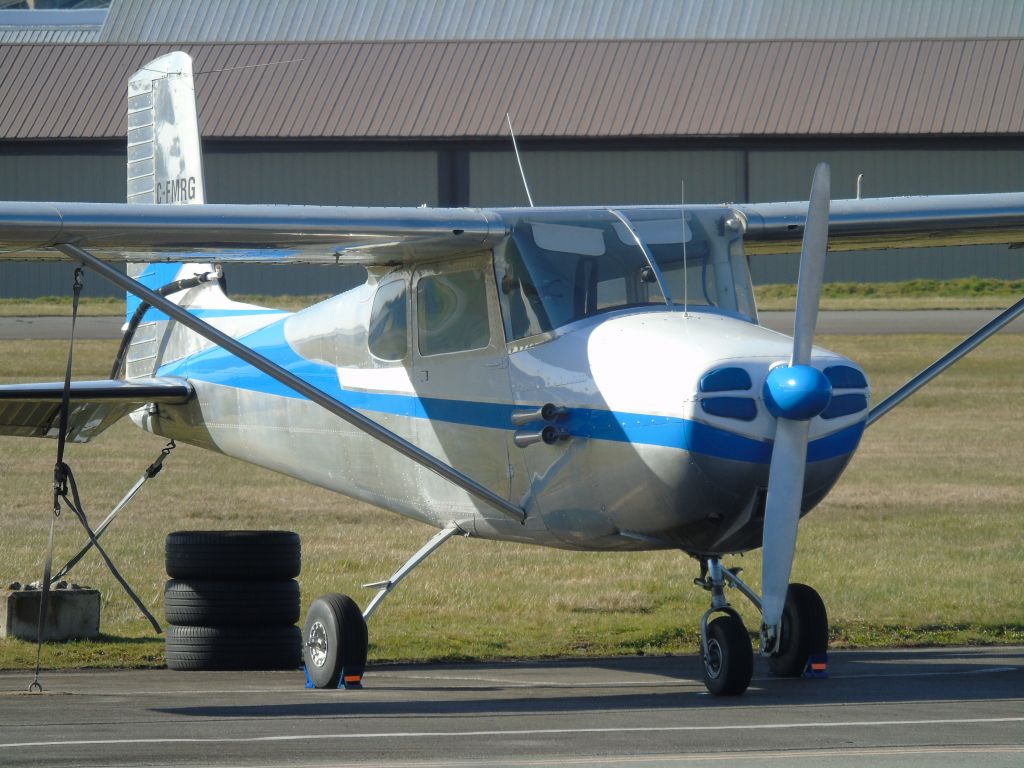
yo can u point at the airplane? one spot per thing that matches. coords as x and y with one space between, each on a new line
586 378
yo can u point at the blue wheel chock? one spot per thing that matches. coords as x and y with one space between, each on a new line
351 678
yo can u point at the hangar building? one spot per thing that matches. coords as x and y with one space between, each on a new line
403 102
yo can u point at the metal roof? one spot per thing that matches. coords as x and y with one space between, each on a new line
51 26
143 21
591 89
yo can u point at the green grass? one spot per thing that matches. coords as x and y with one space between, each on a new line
963 293
919 544
107 305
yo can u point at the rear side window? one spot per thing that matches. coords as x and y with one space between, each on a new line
452 312
389 326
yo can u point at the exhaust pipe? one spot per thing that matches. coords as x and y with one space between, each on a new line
549 435
547 412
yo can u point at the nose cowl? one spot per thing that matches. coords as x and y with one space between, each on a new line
796 392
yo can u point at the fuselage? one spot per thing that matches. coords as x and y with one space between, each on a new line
637 325
668 437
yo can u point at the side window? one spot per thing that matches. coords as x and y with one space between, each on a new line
451 310
388 337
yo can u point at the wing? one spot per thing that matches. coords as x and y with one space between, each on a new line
282 234
33 410
268 234
890 222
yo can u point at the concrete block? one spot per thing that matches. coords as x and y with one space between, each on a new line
73 614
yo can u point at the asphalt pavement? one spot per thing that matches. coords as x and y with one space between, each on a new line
936 707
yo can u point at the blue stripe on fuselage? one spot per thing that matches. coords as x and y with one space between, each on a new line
217 366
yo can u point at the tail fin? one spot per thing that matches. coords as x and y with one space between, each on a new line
165 167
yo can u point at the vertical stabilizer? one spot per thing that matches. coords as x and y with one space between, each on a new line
165 162
165 167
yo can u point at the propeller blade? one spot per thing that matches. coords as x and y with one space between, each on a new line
781 515
794 395
812 265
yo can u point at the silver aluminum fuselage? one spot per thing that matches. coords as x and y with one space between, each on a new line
646 464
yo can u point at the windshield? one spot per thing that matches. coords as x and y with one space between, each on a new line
562 266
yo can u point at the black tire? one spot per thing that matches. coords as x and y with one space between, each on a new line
233 555
804 632
334 640
729 664
255 648
231 603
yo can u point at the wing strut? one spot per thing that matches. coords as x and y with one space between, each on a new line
293 382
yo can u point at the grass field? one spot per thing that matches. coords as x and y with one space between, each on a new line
964 293
920 543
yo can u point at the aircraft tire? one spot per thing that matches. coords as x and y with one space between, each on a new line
730 663
334 640
804 631
213 648
233 555
197 603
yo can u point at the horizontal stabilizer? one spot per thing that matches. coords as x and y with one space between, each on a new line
33 410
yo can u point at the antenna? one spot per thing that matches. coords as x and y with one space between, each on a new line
515 147
686 269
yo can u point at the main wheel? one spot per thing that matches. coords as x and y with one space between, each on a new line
804 632
334 640
729 659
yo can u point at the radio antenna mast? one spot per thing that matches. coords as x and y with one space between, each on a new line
519 160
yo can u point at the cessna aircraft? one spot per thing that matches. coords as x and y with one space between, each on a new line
589 378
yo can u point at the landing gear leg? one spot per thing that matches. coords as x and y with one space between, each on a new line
335 637
724 642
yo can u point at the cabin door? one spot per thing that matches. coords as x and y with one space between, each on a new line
460 372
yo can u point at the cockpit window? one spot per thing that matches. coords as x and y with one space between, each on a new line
452 312
388 336
562 266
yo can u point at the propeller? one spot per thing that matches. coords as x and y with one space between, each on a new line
794 394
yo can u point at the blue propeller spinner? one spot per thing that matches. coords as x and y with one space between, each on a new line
797 392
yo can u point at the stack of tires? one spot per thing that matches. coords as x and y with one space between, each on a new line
232 601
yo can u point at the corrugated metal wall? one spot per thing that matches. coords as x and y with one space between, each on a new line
276 20
332 176
36 174
610 176
786 175
315 177
322 177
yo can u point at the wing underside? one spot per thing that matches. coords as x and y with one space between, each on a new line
33 410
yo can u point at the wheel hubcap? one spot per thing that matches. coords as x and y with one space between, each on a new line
714 662
317 644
